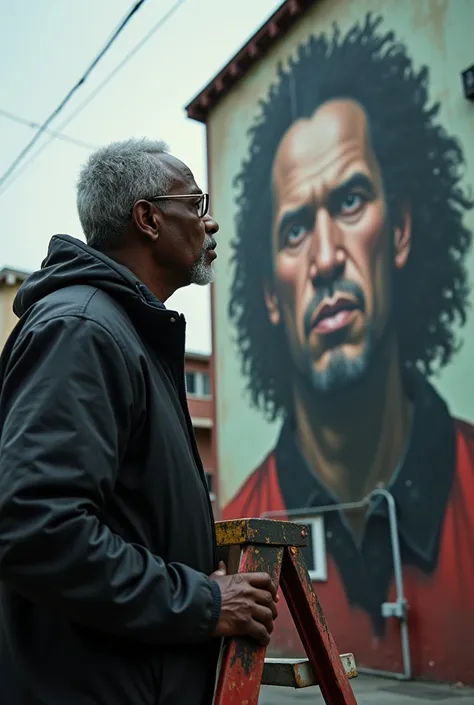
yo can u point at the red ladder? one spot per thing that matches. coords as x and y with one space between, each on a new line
274 547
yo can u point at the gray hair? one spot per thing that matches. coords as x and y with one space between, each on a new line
112 180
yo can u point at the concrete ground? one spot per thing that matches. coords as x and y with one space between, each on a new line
375 691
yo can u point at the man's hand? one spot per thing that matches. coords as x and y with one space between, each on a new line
248 604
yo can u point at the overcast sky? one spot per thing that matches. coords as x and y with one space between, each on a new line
45 47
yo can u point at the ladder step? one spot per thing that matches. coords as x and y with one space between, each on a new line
298 673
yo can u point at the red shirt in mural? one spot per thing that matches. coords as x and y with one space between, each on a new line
433 489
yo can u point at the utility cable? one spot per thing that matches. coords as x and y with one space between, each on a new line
95 92
69 95
55 133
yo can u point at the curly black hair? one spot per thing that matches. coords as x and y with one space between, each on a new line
421 166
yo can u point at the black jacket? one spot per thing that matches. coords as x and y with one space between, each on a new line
106 529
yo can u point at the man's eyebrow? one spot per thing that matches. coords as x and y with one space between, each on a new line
356 181
290 217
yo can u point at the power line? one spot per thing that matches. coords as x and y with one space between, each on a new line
73 90
54 133
95 92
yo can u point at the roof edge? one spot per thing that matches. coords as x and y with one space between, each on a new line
11 276
197 356
282 20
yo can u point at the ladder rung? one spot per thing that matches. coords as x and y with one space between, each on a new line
298 673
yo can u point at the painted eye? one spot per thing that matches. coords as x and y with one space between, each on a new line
352 203
295 235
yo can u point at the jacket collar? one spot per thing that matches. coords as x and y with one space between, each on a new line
420 485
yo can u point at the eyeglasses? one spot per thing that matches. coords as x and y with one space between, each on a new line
202 201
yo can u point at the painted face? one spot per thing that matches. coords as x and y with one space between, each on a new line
333 249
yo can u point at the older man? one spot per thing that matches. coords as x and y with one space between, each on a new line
106 531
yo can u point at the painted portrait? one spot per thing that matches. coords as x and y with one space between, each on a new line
348 298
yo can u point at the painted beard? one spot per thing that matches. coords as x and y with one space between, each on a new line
202 272
341 371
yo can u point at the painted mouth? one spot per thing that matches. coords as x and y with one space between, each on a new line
335 314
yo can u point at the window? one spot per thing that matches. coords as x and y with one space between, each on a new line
190 382
198 384
209 480
206 385
315 552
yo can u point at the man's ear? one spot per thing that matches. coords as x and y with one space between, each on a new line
271 303
148 219
402 237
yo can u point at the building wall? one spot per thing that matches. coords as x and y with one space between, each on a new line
198 382
203 438
7 317
417 150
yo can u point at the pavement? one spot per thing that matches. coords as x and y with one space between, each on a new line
375 691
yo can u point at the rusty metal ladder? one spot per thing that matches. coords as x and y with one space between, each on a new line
274 547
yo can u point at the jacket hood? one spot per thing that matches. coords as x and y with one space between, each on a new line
70 262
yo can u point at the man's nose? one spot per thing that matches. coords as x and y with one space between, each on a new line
211 225
326 252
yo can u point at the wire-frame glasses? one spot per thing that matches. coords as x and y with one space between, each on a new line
202 202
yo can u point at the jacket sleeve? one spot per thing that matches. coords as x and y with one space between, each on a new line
66 411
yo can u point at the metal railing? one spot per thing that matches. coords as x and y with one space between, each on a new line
397 609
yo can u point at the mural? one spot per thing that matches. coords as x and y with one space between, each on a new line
348 294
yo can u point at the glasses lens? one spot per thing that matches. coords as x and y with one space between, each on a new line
204 204
201 206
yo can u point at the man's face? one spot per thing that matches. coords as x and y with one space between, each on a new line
186 240
333 248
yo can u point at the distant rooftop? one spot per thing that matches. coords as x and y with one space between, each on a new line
10 277
198 356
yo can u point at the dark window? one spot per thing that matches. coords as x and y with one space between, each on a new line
315 553
209 479
191 382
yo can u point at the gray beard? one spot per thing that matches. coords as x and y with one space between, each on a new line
342 372
202 272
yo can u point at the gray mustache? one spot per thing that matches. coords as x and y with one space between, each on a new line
329 291
209 243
